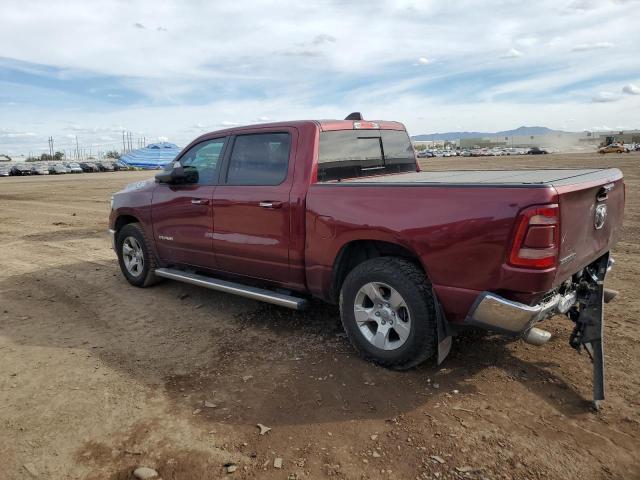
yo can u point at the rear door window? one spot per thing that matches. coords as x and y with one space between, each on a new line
259 159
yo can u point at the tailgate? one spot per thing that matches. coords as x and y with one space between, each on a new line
591 213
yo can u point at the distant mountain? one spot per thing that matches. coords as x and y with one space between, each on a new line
505 133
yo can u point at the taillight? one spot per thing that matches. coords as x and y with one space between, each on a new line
537 237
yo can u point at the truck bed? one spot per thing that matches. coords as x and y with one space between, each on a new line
511 178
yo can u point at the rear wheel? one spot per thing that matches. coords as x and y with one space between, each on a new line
388 312
136 259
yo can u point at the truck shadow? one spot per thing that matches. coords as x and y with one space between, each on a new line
257 363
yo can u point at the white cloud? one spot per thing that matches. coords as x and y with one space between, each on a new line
17 134
423 61
631 89
603 97
584 47
512 53
584 4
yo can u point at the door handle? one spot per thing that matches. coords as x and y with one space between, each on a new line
268 204
200 201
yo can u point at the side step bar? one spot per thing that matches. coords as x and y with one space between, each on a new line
253 293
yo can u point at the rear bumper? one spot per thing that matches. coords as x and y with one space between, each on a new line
493 312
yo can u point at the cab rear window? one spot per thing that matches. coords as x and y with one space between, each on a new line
359 153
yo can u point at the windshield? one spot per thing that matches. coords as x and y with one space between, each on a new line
359 153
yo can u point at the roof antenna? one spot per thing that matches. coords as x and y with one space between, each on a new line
354 116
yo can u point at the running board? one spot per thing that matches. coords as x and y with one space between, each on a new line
253 293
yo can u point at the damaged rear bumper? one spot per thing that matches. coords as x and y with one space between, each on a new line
582 303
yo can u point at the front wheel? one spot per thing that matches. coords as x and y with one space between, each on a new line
136 259
387 310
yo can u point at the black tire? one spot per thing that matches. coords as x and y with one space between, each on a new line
414 287
146 276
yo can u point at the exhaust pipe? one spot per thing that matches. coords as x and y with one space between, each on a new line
609 295
537 336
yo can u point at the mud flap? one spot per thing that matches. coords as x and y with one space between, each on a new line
588 316
444 333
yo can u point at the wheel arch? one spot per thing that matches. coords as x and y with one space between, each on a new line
123 220
355 252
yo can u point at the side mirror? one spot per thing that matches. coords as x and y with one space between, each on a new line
173 175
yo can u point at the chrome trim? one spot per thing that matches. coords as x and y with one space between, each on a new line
253 293
611 263
493 312
112 235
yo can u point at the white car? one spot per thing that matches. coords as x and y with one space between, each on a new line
74 167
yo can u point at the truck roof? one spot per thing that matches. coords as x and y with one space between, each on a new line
323 125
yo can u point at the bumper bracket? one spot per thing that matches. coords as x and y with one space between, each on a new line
588 316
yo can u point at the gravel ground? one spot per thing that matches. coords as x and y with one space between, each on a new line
99 378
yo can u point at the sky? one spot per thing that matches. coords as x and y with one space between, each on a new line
175 69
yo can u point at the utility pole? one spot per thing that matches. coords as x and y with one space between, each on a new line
77 149
124 148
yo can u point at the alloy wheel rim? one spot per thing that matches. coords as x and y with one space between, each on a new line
133 256
382 316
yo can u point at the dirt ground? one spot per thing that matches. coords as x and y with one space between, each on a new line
98 377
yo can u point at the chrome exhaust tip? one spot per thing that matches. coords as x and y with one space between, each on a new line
609 295
537 336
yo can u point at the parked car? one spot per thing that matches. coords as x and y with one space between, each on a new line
39 170
88 167
117 166
5 171
21 169
124 166
57 169
613 148
73 167
537 151
105 166
338 210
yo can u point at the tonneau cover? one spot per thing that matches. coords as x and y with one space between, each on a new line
493 177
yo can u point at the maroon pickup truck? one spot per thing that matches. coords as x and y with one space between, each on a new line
339 210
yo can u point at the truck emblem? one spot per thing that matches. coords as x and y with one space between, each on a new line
600 217
163 237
